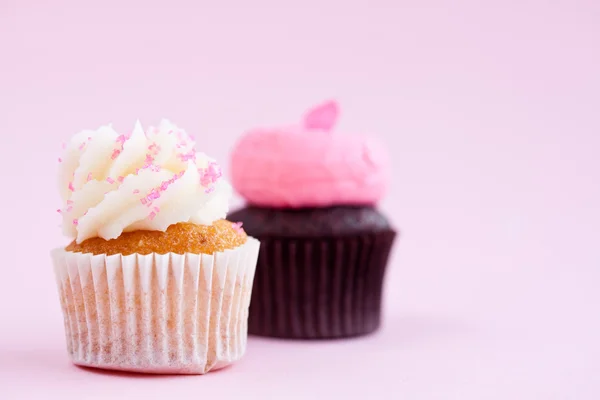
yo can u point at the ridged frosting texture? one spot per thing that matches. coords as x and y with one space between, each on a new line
308 165
147 180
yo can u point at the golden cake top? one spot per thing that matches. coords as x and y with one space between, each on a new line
179 238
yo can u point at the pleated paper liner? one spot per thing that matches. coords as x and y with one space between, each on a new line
156 313
307 288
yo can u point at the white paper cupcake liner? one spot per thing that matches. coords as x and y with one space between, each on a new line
156 313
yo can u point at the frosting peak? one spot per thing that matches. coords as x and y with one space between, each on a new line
112 183
308 165
322 117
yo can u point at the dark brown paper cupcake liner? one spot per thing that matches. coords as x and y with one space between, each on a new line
319 288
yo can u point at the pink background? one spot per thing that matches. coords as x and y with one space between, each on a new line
491 113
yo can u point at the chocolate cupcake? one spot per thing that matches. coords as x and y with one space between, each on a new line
311 199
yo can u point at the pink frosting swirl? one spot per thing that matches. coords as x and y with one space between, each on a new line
308 165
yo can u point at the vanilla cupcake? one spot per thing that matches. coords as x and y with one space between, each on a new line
155 279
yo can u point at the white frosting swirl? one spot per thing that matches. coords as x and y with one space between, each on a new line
113 183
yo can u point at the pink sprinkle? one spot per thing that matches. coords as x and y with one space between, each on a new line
137 171
64 145
59 211
89 177
82 145
148 161
71 188
210 190
75 221
189 156
121 139
115 154
143 200
69 202
136 191
237 226
210 175
59 159
157 209
69 209
121 179
164 186
152 215
89 138
110 180
154 148
218 172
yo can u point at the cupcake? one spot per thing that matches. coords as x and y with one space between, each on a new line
155 279
311 198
